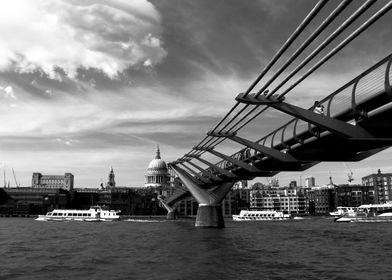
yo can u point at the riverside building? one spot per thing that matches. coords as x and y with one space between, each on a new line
353 195
287 199
310 182
382 185
65 181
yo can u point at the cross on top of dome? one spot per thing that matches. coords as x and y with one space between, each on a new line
158 155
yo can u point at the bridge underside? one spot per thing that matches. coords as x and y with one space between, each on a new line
314 146
357 131
308 148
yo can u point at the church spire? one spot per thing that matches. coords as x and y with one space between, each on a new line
111 182
158 155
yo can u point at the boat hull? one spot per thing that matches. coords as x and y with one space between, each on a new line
94 214
48 219
257 215
237 218
384 216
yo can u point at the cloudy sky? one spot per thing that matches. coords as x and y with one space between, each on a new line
86 85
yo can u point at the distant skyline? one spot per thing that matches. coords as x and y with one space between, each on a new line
90 85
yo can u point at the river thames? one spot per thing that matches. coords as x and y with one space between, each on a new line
314 248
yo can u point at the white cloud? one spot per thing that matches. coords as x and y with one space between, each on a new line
106 35
151 41
8 92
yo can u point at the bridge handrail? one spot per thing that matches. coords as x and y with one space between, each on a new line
353 110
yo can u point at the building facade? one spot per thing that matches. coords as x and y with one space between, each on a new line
382 185
310 182
321 200
353 195
65 181
286 199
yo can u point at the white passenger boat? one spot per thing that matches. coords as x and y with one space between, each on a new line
341 211
94 214
261 215
369 213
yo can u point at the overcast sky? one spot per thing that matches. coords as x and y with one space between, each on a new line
89 85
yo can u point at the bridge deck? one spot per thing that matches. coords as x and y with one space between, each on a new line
370 110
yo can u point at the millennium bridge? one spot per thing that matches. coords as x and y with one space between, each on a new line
350 124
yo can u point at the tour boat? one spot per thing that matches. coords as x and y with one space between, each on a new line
341 211
261 215
369 213
94 214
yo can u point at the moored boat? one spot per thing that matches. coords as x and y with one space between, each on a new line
94 214
341 211
369 213
261 215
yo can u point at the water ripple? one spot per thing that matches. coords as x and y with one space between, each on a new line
305 249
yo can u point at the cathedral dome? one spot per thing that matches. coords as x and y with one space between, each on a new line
157 174
157 165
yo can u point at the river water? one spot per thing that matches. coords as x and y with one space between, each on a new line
315 248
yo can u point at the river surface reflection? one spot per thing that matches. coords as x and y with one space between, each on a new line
315 248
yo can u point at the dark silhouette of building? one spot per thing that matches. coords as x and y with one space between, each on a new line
111 182
353 195
322 199
25 201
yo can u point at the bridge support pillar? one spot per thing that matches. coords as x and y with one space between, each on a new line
171 215
171 211
209 213
210 216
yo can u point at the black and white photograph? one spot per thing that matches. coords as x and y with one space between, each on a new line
195 139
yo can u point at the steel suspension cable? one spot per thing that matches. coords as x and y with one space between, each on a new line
305 44
357 32
352 36
322 46
332 16
317 8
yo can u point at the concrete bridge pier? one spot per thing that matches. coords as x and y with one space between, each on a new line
171 211
209 213
210 216
171 215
